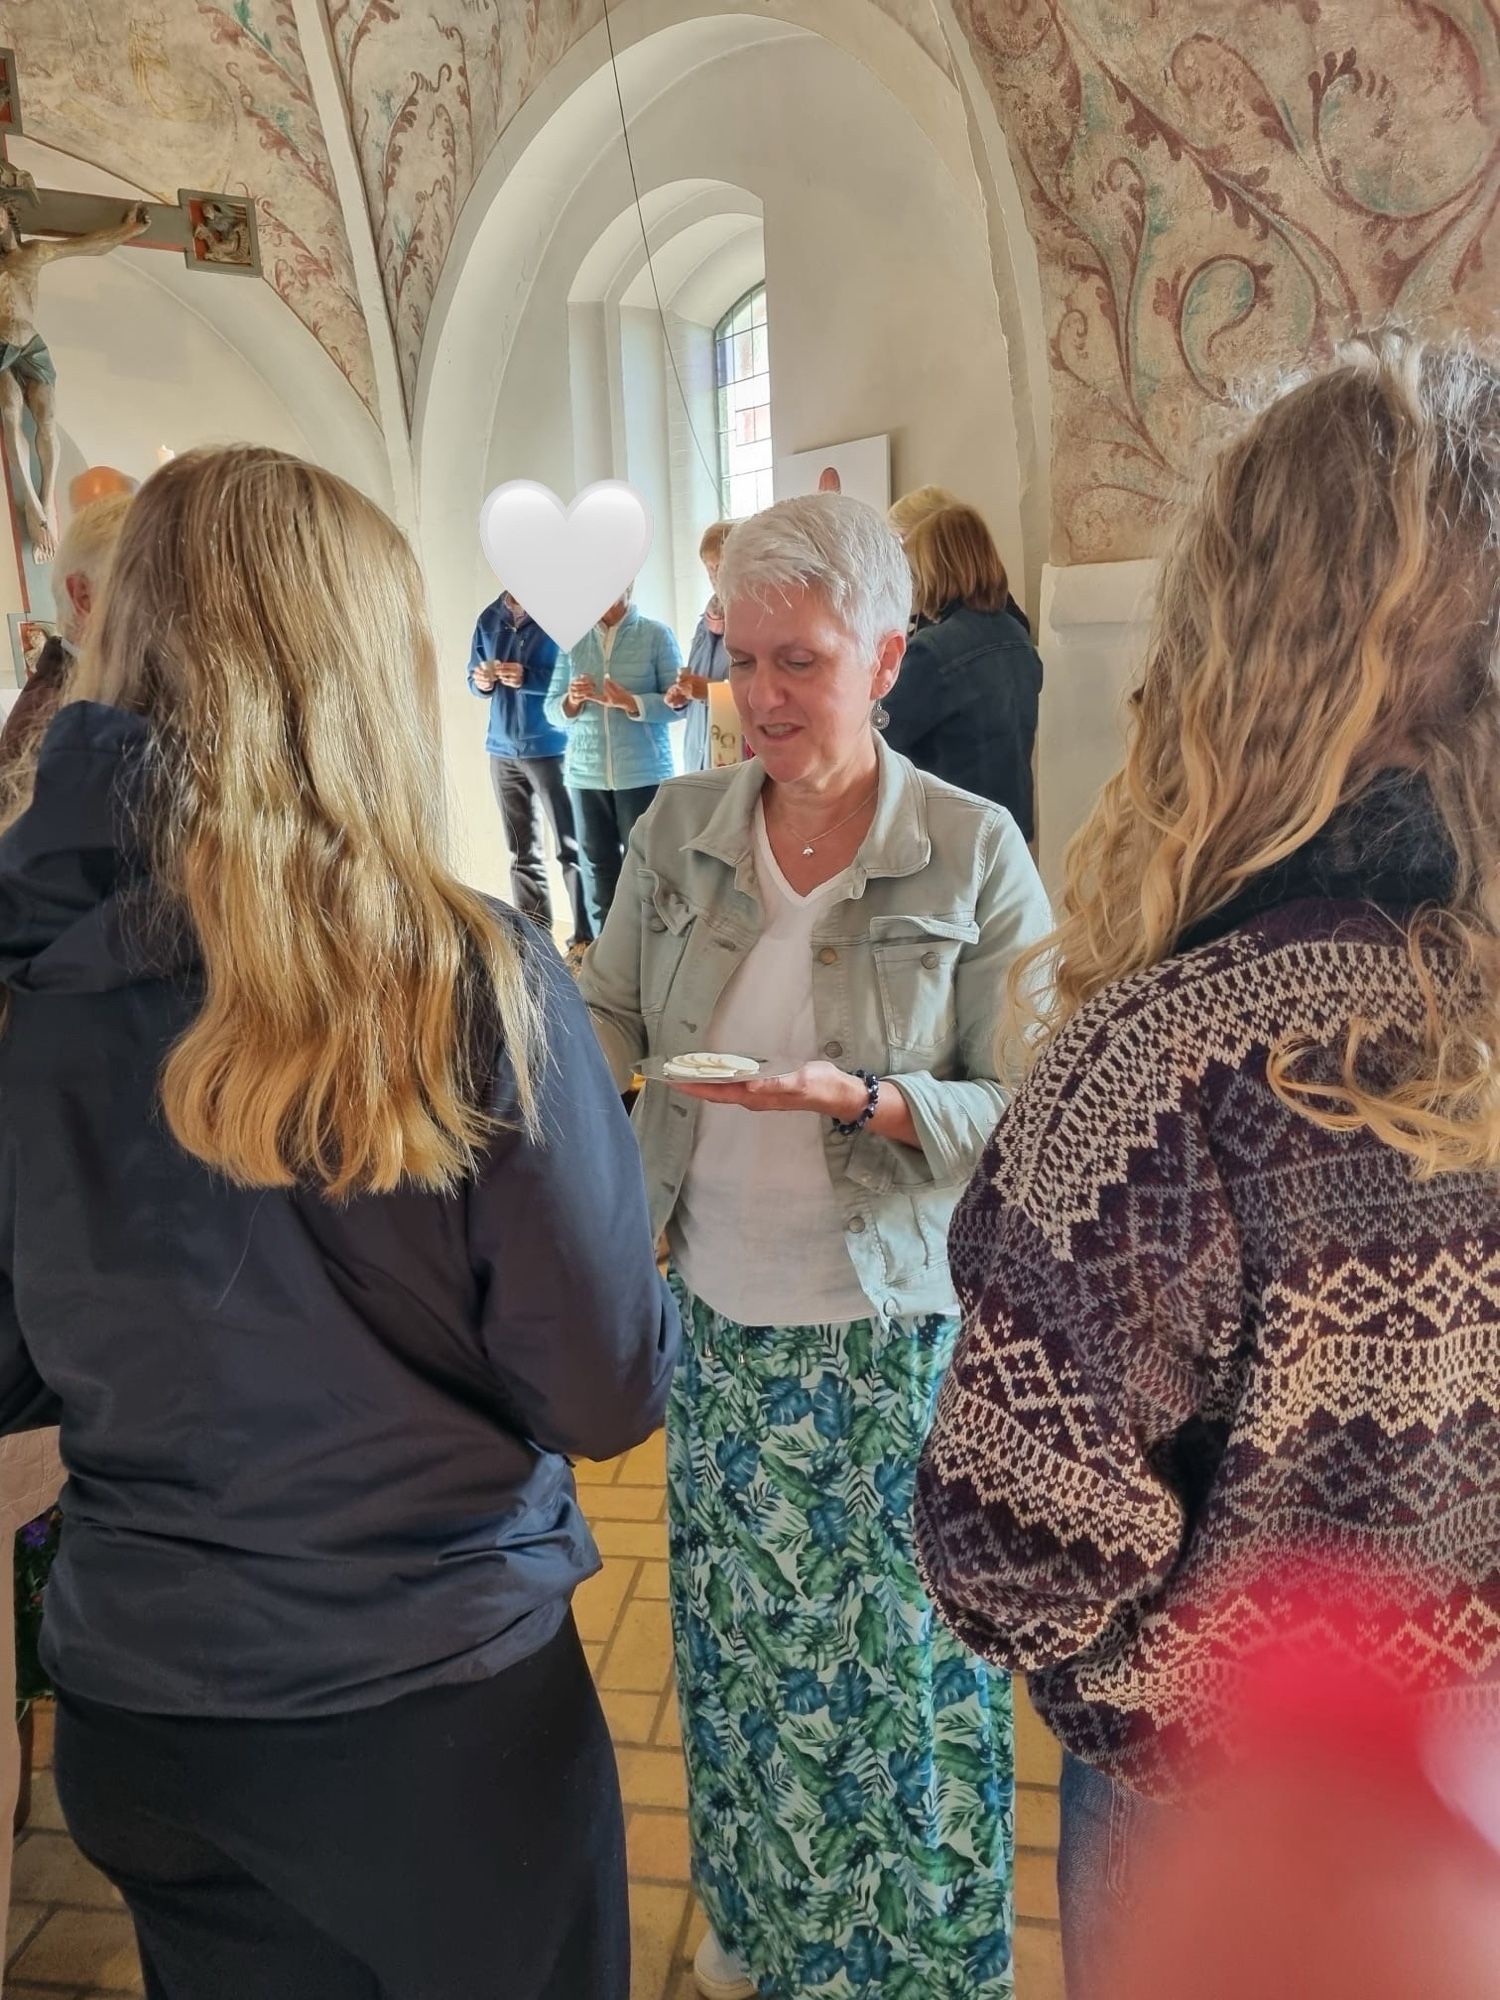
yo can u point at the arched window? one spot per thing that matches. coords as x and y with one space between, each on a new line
742 367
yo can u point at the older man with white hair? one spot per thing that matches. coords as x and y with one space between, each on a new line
827 906
83 558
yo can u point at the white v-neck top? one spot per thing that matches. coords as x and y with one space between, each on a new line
757 1232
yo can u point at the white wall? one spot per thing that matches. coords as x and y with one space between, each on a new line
882 312
1093 632
137 368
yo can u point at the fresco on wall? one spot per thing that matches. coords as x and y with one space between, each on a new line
203 94
431 89
1215 190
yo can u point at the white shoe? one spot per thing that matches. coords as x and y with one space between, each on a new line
720 1977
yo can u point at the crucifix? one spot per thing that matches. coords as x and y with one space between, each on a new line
213 232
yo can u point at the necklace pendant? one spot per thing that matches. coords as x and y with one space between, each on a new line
807 850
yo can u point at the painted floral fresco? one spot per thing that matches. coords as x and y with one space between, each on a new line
430 90
209 94
1216 189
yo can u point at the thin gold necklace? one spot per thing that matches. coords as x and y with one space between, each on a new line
840 822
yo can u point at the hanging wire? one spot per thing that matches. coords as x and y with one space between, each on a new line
711 471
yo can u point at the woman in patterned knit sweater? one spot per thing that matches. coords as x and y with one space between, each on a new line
1230 1267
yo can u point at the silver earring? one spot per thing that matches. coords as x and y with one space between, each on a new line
881 715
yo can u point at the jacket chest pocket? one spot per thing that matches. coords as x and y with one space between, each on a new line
666 927
916 972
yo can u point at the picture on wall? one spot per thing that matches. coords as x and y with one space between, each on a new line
861 468
28 635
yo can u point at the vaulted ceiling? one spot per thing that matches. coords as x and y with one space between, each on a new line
1211 188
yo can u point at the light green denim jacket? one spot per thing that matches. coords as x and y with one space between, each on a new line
908 975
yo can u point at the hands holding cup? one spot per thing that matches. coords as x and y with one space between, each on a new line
685 689
581 688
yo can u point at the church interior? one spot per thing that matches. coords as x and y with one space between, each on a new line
1024 250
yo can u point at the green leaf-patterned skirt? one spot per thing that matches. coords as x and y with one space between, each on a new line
850 1765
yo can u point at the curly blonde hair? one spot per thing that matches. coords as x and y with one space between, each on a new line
1328 611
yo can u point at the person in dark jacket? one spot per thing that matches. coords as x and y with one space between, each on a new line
79 571
510 664
908 513
324 1237
965 707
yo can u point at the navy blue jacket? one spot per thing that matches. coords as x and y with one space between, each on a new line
518 720
965 707
316 1455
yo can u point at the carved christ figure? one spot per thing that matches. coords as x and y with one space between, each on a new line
28 379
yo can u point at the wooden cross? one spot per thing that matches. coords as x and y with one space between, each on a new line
214 232
211 232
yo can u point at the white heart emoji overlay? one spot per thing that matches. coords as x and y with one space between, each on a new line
565 566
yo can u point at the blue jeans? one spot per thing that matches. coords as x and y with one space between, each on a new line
605 821
1100 1840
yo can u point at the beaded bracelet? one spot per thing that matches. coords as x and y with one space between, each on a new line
872 1089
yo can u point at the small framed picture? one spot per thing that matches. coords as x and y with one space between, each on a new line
28 635
861 468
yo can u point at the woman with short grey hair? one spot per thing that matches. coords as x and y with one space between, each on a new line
829 906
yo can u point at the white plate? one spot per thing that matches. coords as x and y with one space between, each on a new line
654 1069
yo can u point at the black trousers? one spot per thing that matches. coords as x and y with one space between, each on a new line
463 1843
526 788
605 823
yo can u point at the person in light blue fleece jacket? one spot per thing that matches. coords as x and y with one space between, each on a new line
609 694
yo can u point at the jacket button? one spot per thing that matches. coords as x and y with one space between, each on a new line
727 944
856 1225
893 1307
930 959
657 924
827 956
691 1026
834 1049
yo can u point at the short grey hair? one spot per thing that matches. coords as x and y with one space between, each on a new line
828 543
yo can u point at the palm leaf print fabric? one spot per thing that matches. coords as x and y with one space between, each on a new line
850 1765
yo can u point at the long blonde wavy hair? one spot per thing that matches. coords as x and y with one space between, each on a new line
269 621
1329 610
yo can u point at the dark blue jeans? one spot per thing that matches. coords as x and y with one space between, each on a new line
1102 1824
605 821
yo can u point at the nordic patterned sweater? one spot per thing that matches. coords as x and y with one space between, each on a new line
1205 1338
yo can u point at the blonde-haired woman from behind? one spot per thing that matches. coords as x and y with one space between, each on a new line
1231 1264
323 1234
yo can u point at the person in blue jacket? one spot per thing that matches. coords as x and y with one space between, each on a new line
510 664
610 696
708 657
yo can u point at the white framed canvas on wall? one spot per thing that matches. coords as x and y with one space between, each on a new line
862 469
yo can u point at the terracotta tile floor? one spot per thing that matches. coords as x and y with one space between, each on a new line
69 1939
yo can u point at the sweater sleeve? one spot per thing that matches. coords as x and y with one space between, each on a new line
576 1319
1099 1265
